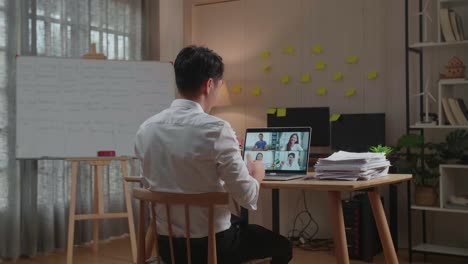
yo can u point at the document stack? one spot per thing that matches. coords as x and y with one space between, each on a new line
352 166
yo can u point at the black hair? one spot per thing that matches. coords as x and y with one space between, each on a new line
193 66
256 157
292 154
260 134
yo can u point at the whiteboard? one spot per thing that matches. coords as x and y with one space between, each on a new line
76 107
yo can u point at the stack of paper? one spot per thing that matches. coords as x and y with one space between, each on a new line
352 166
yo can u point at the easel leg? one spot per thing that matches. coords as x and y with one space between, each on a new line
128 202
339 235
71 214
97 206
382 226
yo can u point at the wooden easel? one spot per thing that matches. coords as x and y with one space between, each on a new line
97 164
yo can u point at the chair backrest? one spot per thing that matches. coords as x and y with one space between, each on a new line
208 200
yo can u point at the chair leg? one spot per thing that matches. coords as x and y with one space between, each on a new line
141 234
71 214
150 240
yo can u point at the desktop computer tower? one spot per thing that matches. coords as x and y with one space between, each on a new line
361 232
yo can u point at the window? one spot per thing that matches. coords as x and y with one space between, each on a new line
67 27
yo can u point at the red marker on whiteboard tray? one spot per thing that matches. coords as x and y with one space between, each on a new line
106 153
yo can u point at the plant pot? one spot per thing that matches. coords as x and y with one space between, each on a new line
425 195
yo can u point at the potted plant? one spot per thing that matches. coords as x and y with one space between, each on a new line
421 159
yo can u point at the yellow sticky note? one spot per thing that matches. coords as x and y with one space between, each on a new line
321 91
372 75
352 59
281 112
290 50
266 68
337 76
271 111
334 117
236 88
351 92
285 79
317 49
265 54
305 78
256 91
320 66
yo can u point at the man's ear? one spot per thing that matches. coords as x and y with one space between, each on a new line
208 86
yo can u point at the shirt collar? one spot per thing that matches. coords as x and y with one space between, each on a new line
188 104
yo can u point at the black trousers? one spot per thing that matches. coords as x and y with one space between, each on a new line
240 243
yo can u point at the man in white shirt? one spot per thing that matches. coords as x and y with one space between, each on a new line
184 149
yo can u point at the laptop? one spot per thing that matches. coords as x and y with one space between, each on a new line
284 152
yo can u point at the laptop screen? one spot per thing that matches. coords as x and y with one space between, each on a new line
281 150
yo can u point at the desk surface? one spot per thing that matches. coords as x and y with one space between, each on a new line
321 185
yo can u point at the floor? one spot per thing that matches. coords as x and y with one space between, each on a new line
118 252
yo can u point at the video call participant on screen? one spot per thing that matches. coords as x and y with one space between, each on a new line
293 144
259 156
185 149
291 163
260 144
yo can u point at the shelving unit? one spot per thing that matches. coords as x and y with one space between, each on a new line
453 178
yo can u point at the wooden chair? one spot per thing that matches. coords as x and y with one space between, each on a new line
168 199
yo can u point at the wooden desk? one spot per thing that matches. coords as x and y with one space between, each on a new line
336 211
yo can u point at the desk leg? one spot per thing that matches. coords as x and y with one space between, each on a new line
393 190
339 235
382 226
71 214
275 211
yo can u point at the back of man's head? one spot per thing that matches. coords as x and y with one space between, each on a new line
193 66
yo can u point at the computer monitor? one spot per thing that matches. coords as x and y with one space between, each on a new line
318 118
358 132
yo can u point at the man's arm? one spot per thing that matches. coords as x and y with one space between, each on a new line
239 183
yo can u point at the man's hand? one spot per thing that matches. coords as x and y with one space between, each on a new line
255 168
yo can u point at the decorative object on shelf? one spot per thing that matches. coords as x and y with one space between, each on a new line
454 149
455 69
382 149
426 94
425 16
93 55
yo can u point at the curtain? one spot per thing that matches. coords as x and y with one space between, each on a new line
34 194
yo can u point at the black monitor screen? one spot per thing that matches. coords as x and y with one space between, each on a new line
318 118
358 132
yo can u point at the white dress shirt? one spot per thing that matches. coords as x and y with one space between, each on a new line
185 150
295 147
287 166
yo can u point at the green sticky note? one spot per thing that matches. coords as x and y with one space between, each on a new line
271 111
281 112
265 54
351 92
352 59
321 91
236 88
337 76
266 68
256 91
305 78
285 79
334 117
290 50
372 75
320 66
317 49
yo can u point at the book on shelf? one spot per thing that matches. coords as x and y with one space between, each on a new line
463 108
457 112
446 26
449 117
455 26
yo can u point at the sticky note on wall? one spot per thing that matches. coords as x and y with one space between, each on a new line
285 79
337 76
321 91
290 50
267 68
281 112
265 54
352 59
236 89
305 78
372 75
334 117
256 91
350 92
320 66
317 49
271 111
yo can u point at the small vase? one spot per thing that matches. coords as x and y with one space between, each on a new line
424 195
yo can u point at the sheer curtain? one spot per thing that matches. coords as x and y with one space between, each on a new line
34 194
